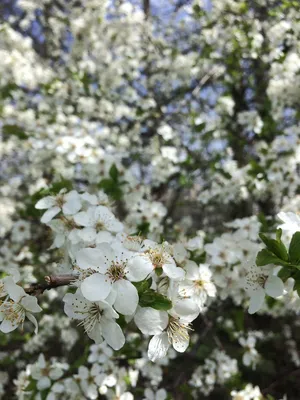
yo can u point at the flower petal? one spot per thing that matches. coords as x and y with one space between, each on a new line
256 300
8 326
173 272
91 258
72 204
158 346
34 321
113 334
87 234
151 321
180 343
49 214
30 303
274 286
138 268
127 297
96 287
14 291
43 383
186 309
46 202
96 334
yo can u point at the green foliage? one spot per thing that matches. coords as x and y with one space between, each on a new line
276 253
14 130
143 285
294 249
152 299
112 185
275 246
265 257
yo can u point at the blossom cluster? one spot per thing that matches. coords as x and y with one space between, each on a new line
154 284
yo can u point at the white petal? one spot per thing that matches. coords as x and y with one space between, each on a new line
150 321
91 258
76 306
90 198
72 204
43 383
161 394
34 321
14 291
173 272
113 334
274 286
87 234
30 303
158 346
256 300
139 267
85 218
46 202
192 271
103 237
8 326
187 309
96 287
180 344
126 396
49 214
96 334
127 297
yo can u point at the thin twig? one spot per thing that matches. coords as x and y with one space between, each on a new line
52 281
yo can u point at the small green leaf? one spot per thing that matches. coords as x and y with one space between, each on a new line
278 234
143 286
275 246
14 130
294 249
155 300
265 257
284 273
111 188
114 173
297 287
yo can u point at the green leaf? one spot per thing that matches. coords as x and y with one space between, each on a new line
297 287
294 249
155 300
285 273
275 246
111 188
114 173
14 130
278 234
143 286
265 257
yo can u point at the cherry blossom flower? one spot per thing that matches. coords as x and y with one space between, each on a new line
68 203
258 284
97 222
19 306
110 271
97 319
155 257
197 284
168 328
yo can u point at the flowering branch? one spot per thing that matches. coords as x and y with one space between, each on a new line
52 281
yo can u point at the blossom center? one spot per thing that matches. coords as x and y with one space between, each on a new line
157 258
178 331
116 271
93 317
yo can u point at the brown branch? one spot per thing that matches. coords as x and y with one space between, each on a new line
52 282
